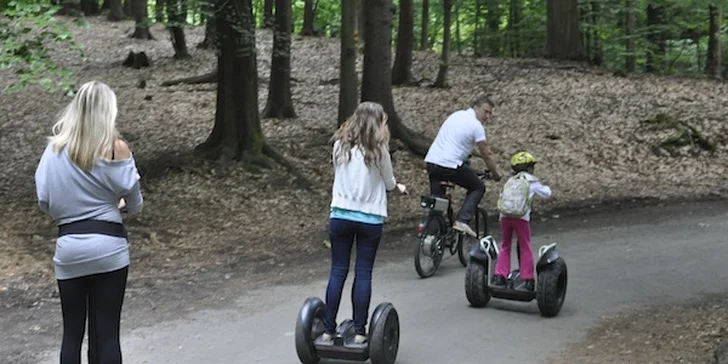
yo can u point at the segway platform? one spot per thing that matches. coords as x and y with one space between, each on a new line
381 346
550 283
342 346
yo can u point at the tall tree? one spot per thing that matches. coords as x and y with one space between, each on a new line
424 27
209 42
308 18
268 13
493 19
280 104
141 20
713 60
477 30
630 61
402 69
128 8
90 7
656 38
564 40
514 27
116 12
594 45
237 133
377 76
348 82
441 80
177 18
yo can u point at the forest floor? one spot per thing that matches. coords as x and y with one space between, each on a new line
204 223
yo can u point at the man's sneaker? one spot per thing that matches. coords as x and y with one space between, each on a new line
360 339
326 337
464 228
526 286
499 281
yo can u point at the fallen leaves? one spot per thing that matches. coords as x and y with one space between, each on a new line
687 333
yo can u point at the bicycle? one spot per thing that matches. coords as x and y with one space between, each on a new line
435 234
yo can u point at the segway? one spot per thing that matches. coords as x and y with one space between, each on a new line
381 347
551 278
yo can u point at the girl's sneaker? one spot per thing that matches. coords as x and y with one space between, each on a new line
327 337
360 339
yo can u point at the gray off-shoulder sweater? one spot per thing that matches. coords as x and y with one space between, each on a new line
68 194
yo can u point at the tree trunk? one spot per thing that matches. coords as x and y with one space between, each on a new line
105 5
597 56
458 39
377 76
514 27
90 7
402 69
141 20
424 30
441 80
116 12
237 133
268 13
713 60
564 40
478 31
210 41
657 47
308 18
361 6
128 8
493 21
176 25
159 11
279 103
348 82
630 61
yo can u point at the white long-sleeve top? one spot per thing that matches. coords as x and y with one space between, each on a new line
361 188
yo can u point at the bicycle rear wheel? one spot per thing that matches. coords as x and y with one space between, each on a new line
428 247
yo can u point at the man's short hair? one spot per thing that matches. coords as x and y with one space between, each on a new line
481 100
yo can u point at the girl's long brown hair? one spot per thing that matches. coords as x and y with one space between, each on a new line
366 129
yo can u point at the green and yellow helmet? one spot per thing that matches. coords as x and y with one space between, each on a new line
522 161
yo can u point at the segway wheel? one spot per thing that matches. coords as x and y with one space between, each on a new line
309 326
476 283
551 288
384 335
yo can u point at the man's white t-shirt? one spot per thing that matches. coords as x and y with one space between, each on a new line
456 139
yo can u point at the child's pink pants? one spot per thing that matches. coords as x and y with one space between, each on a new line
522 228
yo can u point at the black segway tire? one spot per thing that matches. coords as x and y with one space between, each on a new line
309 326
476 283
384 334
551 288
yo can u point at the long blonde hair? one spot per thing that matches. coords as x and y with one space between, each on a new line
365 129
87 125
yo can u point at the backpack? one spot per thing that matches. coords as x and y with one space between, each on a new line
514 200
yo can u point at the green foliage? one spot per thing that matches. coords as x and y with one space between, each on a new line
27 29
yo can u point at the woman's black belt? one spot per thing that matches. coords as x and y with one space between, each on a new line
93 227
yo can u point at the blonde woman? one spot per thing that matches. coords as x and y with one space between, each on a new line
362 176
86 175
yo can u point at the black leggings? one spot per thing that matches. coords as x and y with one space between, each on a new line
101 297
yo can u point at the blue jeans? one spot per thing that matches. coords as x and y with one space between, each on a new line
342 234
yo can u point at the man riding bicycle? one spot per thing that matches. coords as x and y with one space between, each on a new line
461 131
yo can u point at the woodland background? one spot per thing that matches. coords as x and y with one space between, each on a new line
229 107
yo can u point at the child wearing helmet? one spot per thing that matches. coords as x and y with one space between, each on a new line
514 205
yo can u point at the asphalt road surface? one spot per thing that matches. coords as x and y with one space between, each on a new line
616 262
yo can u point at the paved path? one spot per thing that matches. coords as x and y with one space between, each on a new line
674 256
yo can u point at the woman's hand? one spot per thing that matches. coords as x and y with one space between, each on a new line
401 189
122 204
